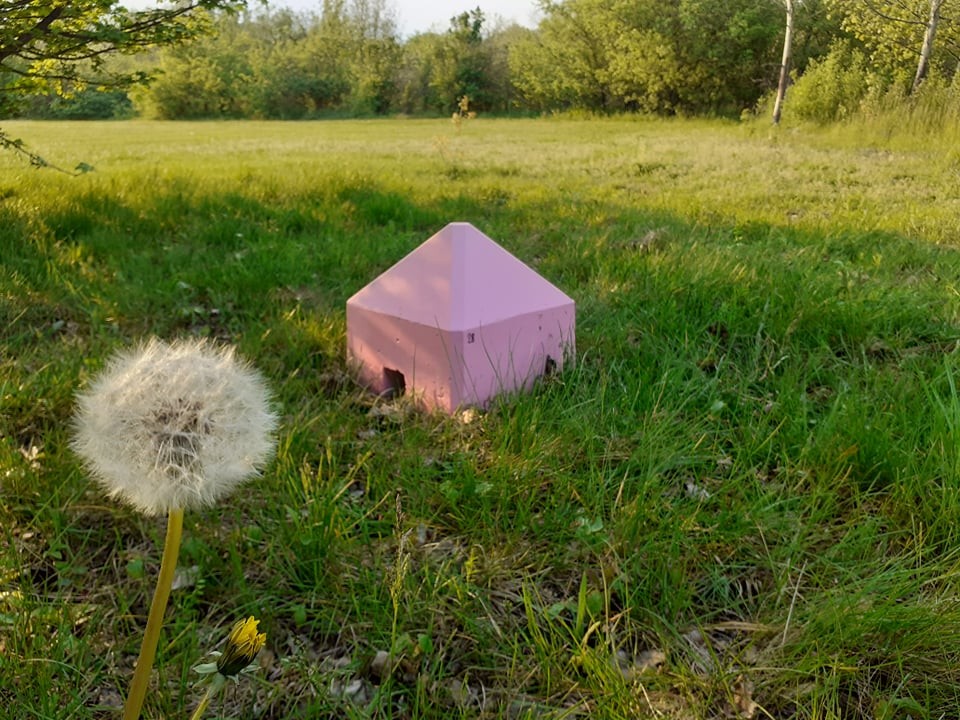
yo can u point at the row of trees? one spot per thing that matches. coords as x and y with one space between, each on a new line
598 55
659 56
348 59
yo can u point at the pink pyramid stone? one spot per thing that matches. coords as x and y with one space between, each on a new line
458 321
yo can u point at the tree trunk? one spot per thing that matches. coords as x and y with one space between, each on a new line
785 63
927 49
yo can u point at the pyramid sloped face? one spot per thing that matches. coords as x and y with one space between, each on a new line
456 280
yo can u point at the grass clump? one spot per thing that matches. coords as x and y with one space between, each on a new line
742 499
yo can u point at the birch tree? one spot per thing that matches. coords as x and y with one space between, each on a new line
926 50
784 64
905 38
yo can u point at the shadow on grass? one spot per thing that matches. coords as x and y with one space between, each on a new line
721 306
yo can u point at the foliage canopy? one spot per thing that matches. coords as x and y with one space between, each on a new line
348 58
58 46
65 43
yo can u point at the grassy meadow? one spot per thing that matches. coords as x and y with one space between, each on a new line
742 501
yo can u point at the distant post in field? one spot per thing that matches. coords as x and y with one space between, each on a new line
458 321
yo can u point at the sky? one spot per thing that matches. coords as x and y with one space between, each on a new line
415 16
418 15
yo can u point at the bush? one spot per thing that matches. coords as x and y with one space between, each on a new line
832 88
88 104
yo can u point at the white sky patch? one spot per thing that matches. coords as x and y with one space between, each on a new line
415 16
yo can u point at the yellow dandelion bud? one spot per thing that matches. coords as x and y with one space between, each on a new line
243 644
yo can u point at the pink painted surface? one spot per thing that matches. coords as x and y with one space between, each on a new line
462 319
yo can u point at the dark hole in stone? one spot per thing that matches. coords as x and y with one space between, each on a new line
396 383
550 367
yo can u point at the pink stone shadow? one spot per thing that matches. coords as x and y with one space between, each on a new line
458 321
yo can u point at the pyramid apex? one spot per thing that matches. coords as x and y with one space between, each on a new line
460 231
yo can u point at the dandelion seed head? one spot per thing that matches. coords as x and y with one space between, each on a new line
178 424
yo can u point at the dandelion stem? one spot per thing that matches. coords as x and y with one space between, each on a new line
212 689
148 650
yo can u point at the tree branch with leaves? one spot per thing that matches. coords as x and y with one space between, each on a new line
56 45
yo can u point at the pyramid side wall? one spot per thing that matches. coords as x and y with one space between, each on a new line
424 354
511 354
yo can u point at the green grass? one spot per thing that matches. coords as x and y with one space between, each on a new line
750 474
